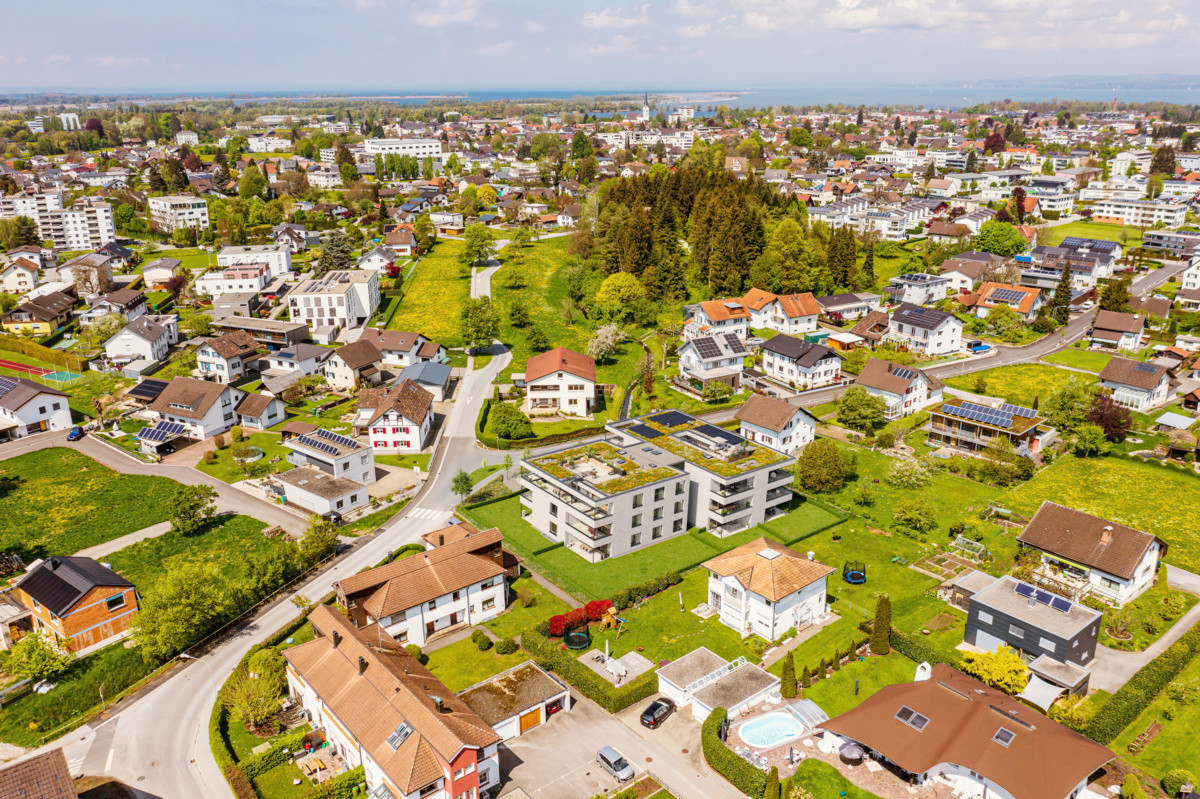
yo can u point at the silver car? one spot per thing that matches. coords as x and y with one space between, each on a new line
612 762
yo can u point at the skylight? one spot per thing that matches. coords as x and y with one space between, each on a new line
1003 736
912 718
400 735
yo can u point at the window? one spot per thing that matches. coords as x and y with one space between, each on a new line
659 493
635 539
637 520
912 718
1047 644
637 501
484 778
553 528
678 489
403 638
432 604
657 514
678 507
1004 736
115 602
489 603
677 526
1015 631
553 509
456 594
985 617
656 532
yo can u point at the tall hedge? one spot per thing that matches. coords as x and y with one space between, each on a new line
880 638
589 683
743 776
917 649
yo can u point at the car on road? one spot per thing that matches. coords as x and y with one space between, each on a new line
611 761
75 434
656 712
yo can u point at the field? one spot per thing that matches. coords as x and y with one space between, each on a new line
435 296
1177 745
1091 360
1105 486
57 502
190 258
1019 383
1095 230
461 665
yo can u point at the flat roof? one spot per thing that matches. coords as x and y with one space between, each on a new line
736 687
671 436
1002 595
691 667
511 693
1067 675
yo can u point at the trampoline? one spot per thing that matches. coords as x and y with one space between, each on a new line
577 640
854 572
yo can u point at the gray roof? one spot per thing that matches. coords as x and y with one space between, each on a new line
59 582
1002 596
17 391
805 353
317 482
923 318
146 328
429 373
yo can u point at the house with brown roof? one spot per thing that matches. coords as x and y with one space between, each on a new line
44 776
942 231
201 408
39 315
1136 385
403 348
379 708
1093 555
717 316
28 407
765 588
1115 330
948 726
776 423
78 602
227 357
260 411
905 389
560 382
397 419
1024 302
460 583
353 365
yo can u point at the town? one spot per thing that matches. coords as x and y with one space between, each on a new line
599 447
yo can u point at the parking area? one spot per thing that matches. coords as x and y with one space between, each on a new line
679 734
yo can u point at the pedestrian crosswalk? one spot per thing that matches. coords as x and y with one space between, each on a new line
426 513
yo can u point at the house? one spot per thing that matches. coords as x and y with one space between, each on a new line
237 303
127 303
459 584
872 328
382 710
27 407
320 493
432 376
764 588
156 273
44 776
295 237
333 454
560 381
19 277
82 604
353 365
1122 331
776 424
1136 385
917 288
963 275
260 411
928 331
227 357
941 231
304 359
200 408
1040 625
905 390
800 364
705 681
276 257
1024 302
715 357
1092 555
39 316
141 339
849 306
718 316
336 300
947 725
970 427
380 259
246 279
400 241
396 419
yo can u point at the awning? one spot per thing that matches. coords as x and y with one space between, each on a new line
1041 693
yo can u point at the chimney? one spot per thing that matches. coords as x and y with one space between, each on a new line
1106 536
439 705
337 638
362 664
441 539
426 559
1032 601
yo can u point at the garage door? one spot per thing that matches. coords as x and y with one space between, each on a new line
987 642
531 720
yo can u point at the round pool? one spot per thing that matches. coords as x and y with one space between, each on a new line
771 730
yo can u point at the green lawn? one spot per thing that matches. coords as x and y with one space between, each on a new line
372 520
858 680
1019 383
405 461
1127 236
56 502
1091 360
81 391
518 617
276 783
461 665
1152 614
1144 496
190 258
435 295
1178 745
228 470
242 741
824 781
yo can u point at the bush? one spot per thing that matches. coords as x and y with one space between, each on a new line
597 608
917 649
235 433
557 625
277 755
886 439
576 618
743 776
481 640
1175 779
416 652
631 596
506 646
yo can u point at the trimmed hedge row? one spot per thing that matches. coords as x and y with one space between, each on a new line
589 683
743 776
35 350
1143 688
521 443
918 650
279 753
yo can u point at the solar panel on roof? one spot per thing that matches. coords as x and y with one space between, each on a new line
320 446
645 431
148 389
734 342
7 384
902 373
1017 410
1060 604
707 348
151 434
1025 589
1007 295
1145 367
716 432
1044 597
337 438
671 418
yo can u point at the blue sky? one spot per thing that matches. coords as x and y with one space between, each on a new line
488 44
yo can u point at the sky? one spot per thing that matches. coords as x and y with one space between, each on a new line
461 45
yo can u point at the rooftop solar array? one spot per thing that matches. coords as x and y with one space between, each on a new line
1018 410
735 344
645 431
1024 589
1146 367
902 373
979 413
148 389
671 418
161 432
716 432
1007 295
707 348
336 438
319 446
1044 597
7 384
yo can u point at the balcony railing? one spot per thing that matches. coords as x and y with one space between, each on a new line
593 533
733 489
575 503
778 493
730 509
779 474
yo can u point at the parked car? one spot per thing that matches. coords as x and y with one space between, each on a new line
656 712
166 449
978 347
334 517
611 761
75 434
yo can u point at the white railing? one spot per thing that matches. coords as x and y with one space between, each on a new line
715 675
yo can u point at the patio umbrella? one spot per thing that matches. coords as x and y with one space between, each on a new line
851 751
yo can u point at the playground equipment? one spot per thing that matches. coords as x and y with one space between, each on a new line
611 621
580 639
854 572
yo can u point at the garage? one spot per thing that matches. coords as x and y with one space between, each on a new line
531 720
518 700
988 642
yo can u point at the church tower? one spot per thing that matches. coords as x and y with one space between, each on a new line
645 107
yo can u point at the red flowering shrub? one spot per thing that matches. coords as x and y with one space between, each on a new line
558 625
597 608
576 618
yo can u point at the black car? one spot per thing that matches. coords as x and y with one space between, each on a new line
654 715
75 434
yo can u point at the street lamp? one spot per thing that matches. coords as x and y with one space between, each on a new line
211 678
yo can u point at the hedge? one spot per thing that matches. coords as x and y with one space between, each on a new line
1142 689
342 786
631 596
612 698
279 753
35 350
918 650
521 443
743 776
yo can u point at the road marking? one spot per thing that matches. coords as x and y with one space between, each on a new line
108 763
426 513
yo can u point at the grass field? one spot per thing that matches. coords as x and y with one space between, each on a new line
1019 383
461 665
1152 615
1177 746
228 470
1091 360
56 502
190 258
824 781
1095 230
1107 487
518 617
855 681
435 296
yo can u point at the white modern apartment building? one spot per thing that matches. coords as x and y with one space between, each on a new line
235 279
336 300
276 257
418 148
1139 213
86 225
176 211
269 144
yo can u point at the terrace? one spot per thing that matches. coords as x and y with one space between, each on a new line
595 471
712 448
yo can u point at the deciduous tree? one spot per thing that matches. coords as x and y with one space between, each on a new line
192 506
822 467
1001 668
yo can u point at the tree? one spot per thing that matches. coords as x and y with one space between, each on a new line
1163 162
189 601
822 467
537 339
479 323
917 514
39 656
994 143
507 421
1066 408
1001 668
319 542
191 508
253 702
619 297
581 145
251 184
424 234
89 279
461 484
478 245
909 473
881 629
604 341
198 324
1018 205
1114 296
1115 420
771 789
1060 303
1090 440
999 238
336 254
787 679
717 391
859 409
518 312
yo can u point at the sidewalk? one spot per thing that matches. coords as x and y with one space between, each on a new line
117 544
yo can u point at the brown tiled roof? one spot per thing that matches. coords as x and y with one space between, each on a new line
359 354
720 310
234 344
871 320
44 776
1132 373
372 686
972 269
768 412
298 428
408 399
1088 540
449 535
254 405
401 340
940 228
757 299
188 397
429 349
560 359
883 375
1155 306
773 577
419 578
1044 759
48 306
794 305
1120 322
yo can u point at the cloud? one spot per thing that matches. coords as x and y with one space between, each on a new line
534 27
697 31
616 18
120 61
499 48
446 12
57 58
616 44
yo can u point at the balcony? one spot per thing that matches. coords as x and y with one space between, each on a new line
593 533
734 489
730 528
576 504
778 474
730 509
778 493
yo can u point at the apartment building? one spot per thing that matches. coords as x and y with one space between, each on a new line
1139 213
233 280
971 427
418 148
336 300
269 144
85 225
276 257
1179 243
173 212
333 454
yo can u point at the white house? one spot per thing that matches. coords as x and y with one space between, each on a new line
1136 385
904 389
562 382
260 411
714 356
249 278
277 257
776 424
19 276
353 365
378 259
918 288
403 348
399 419
792 314
227 357
306 359
928 331
798 363
321 493
141 339
718 316
1122 331
203 408
850 306
173 212
27 407
764 588
334 454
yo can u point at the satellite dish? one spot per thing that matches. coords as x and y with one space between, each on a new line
924 672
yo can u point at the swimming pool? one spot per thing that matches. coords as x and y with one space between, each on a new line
771 730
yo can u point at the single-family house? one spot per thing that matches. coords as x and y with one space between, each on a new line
971 427
800 364
156 273
44 776
39 316
853 305
141 339
396 419
560 381
905 389
964 275
334 454
917 288
1136 385
718 316
19 277
1122 331
260 411
127 303
227 357
1024 302
926 330
381 258
27 407
200 408
776 423
353 365
713 357
402 348
792 314
303 359
432 376
78 602
319 492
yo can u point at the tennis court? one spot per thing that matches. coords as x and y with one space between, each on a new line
40 373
